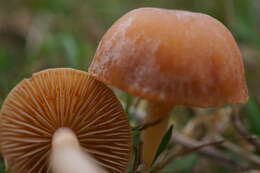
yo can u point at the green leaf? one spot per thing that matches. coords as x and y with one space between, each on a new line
2 166
253 112
164 143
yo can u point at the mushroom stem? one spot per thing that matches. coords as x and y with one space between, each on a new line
67 155
153 135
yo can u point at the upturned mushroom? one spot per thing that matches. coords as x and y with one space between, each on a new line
170 58
64 119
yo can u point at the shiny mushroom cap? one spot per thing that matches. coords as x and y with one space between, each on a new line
52 99
173 56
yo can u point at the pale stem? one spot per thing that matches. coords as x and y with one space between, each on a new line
67 155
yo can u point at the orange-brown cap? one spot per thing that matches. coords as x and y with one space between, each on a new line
174 56
56 98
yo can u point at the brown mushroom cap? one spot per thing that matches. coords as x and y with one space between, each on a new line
174 56
56 98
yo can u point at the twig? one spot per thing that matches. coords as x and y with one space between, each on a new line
150 124
174 155
210 152
236 149
242 130
200 147
138 158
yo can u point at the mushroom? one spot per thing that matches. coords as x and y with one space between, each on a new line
62 111
170 58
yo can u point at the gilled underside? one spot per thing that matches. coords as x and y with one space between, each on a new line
56 98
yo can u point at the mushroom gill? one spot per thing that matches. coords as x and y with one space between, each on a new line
55 98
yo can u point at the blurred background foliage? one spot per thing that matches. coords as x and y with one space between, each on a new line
39 34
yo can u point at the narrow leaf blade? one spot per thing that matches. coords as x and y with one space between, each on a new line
164 143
